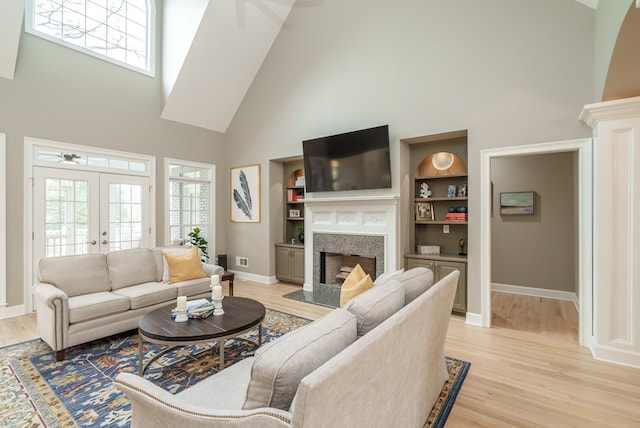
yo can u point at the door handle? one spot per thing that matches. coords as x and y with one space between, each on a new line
94 242
104 241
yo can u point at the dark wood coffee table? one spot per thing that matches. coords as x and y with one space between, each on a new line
240 316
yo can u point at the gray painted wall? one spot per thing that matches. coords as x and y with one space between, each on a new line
60 94
511 72
539 250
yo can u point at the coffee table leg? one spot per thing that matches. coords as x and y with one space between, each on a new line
221 355
260 335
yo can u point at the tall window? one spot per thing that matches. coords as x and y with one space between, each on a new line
190 202
120 31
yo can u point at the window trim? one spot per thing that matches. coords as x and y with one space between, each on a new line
212 201
151 35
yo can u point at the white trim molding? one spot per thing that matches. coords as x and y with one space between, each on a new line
537 292
585 224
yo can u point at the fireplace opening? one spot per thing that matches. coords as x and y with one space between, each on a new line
335 267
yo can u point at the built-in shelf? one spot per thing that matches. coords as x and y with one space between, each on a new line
428 214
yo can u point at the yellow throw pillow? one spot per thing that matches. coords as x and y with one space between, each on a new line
357 282
184 266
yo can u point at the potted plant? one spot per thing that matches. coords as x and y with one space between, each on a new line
300 230
200 242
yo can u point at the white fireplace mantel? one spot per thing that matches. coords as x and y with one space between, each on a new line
363 215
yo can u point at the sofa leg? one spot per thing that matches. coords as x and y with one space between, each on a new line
60 355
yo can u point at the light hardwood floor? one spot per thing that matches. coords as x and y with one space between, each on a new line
526 371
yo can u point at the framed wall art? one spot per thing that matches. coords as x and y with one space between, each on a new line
245 194
517 203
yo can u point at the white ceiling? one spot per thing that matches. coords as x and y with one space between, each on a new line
213 51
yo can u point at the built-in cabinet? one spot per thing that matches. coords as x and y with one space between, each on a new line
290 253
439 213
441 267
290 263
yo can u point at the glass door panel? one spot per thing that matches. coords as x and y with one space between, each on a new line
65 213
125 215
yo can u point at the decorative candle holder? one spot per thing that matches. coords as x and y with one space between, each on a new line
217 306
181 315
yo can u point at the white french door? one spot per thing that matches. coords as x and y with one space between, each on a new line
79 212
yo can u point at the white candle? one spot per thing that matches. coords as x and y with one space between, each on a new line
182 302
217 291
215 280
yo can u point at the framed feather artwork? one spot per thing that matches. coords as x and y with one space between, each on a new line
245 194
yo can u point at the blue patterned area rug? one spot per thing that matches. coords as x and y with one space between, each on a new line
37 391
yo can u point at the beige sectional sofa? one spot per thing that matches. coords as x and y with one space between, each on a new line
85 297
377 362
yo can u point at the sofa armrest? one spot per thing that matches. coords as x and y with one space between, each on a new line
52 307
210 269
153 406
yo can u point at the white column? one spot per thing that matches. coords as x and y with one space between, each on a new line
616 261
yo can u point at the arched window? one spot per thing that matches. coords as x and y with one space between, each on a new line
120 31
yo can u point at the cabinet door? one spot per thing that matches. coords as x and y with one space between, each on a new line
444 269
283 263
297 265
429 264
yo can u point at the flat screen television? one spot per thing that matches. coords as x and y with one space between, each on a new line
356 160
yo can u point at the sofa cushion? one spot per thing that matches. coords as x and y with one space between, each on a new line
415 282
183 267
192 287
158 257
281 364
131 267
76 275
381 279
355 283
376 305
149 293
89 306
225 390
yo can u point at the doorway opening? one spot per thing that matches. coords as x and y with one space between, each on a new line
583 147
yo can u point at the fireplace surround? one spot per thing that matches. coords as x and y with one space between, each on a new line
366 226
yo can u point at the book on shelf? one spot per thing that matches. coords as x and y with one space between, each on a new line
293 195
456 217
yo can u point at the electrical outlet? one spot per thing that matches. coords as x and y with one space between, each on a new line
242 261
445 228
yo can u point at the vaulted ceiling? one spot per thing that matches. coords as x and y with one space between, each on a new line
213 50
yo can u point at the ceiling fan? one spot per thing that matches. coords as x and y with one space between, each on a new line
65 158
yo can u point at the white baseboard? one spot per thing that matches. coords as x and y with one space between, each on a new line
256 278
616 356
12 311
473 319
537 292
